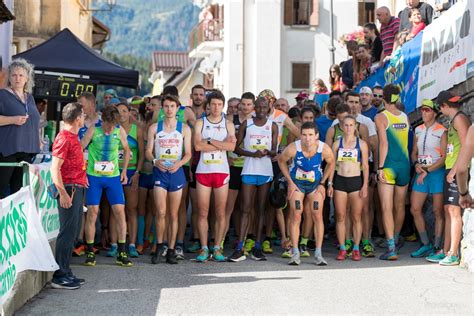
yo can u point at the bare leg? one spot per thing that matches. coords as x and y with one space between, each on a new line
340 204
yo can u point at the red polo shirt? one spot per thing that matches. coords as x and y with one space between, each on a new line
67 147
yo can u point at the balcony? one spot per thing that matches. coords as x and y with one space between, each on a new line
207 36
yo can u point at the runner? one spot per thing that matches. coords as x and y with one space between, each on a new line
336 131
394 167
168 137
457 132
259 135
350 185
236 162
137 155
103 174
429 153
306 183
213 136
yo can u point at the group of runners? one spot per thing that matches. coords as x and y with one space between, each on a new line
258 167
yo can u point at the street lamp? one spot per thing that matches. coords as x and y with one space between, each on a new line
110 5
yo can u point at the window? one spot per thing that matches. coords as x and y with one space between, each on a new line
366 12
301 12
300 75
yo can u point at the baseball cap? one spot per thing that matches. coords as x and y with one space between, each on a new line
365 90
447 97
111 92
429 104
114 101
302 95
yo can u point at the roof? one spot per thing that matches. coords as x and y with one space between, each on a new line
66 53
5 14
100 33
183 75
170 61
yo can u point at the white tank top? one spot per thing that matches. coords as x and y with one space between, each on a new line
258 138
213 161
279 118
429 143
169 146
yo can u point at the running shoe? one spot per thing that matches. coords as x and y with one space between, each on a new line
203 255
122 260
304 253
258 255
286 254
368 250
341 255
113 251
132 251
218 254
237 256
79 251
171 257
73 278
165 250
195 247
389 255
90 259
449 260
411 238
249 243
436 256
320 261
274 235
179 253
295 259
267 247
157 256
64 283
349 247
356 255
153 250
400 243
140 249
423 251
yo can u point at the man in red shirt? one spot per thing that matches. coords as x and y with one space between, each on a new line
388 30
68 173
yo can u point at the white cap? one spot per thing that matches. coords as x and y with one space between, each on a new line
366 90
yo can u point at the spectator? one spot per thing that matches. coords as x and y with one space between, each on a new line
417 23
377 98
69 177
314 106
233 107
301 98
19 124
335 78
362 64
109 94
425 9
320 87
388 30
324 122
41 105
348 65
372 36
441 6
282 105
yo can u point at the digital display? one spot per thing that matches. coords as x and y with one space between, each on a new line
62 88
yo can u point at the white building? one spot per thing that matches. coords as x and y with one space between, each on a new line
282 45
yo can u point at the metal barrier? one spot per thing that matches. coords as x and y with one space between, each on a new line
22 164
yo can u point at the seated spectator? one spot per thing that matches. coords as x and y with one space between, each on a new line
425 9
362 64
417 23
335 78
320 87
372 37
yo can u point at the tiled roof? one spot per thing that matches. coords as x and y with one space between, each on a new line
170 61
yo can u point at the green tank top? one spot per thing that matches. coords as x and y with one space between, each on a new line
454 144
132 141
103 153
397 137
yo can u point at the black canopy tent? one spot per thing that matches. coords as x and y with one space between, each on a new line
65 53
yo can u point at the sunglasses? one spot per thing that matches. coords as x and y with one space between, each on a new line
378 95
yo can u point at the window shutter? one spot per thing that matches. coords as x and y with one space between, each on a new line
314 16
288 14
300 75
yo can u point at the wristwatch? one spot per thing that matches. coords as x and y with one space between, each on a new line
208 140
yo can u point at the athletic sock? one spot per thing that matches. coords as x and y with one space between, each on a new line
205 248
356 247
140 229
304 241
240 245
121 246
318 252
438 240
131 245
391 244
342 247
90 246
424 238
258 245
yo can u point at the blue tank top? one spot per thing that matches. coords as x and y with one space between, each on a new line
307 170
346 155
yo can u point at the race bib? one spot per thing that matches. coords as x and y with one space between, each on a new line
121 154
347 154
425 160
105 168
168 154
450 150
213 157
305 175
258 142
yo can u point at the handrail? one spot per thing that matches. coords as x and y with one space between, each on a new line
24 165
206 30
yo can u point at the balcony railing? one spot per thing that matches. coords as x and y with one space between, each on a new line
206 31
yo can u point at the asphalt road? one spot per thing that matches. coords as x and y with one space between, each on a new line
406 286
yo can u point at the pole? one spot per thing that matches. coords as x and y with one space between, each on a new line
332 49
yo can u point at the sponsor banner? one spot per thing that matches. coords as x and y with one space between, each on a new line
40 179
447 51
23 243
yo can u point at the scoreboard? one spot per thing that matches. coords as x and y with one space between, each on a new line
61 88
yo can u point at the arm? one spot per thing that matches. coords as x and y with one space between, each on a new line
365 168
199 143
364 133
290 137
291 127
285 156
150 142
141 149
273 151
330 137
328 156
229 143
373 147
461 124
335 148
240 138
87 137
414 150
189 117
465 157
13 120
64 199
126 155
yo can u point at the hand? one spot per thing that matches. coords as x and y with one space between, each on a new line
381 176
321 190
451 175
123 177
259 154
159 164
421 177
330 191
135 181
466 201
173 168
419 169
19 120
65 200
364 191
275 158
291 189
373 179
